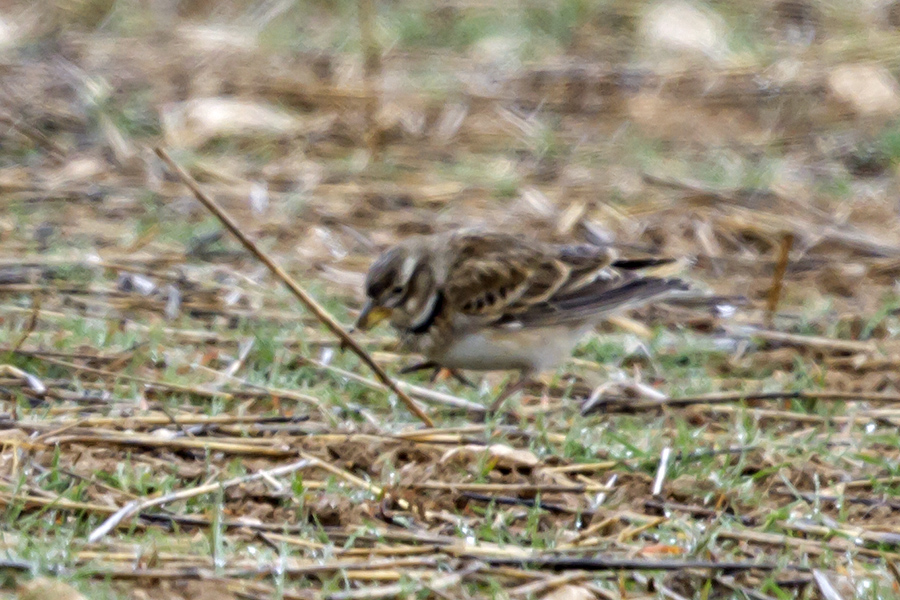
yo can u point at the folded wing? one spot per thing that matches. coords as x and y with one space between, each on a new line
505 280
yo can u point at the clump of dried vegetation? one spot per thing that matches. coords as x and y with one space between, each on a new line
174 425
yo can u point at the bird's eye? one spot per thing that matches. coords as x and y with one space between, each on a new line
397 290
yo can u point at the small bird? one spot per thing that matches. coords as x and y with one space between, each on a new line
484 301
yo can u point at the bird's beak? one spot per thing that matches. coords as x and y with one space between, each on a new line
371 315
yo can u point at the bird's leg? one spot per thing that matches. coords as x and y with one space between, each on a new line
508 391
437 371
460 378
454 373
419 366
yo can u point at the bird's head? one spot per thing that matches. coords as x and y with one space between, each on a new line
400 285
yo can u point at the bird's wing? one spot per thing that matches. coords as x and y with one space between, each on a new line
491 276
505 280
596 300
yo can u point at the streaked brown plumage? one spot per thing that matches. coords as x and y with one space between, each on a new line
489 301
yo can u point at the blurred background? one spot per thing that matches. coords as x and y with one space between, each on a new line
702 129
689 128
757 140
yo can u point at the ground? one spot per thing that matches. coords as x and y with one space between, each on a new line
177 425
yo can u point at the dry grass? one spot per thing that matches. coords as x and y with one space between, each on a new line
176 426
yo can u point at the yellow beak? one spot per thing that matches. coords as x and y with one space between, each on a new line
371 315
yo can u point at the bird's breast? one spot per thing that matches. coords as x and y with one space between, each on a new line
490 349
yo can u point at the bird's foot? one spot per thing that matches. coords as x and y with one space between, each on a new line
460 378
508 391
420 366
438 370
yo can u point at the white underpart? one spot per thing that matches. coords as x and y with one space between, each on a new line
423 314
407 268
530 349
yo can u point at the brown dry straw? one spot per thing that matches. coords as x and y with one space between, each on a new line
307 300
784 256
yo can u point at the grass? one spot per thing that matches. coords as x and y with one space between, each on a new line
139 404
633 439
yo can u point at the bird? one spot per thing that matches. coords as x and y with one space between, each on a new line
479 300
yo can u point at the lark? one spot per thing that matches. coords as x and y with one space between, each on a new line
484 301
